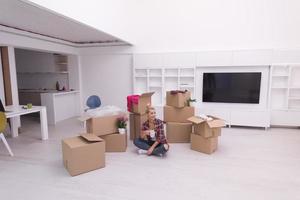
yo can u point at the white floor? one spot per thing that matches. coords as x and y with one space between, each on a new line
249 164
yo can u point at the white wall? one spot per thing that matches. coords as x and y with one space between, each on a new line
107 75
191 25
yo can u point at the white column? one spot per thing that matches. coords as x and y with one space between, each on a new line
14 83
2 95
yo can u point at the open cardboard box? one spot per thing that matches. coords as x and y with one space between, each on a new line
83 153
115 142
178 100
144 100
207 128
179 132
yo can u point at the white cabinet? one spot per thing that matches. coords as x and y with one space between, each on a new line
250 118
285 95
285 117
252 57
162 80
214 58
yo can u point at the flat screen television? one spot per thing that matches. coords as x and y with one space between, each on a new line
231 87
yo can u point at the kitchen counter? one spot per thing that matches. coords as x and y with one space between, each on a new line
61 105
65 92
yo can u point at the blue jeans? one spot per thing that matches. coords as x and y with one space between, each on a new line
144 144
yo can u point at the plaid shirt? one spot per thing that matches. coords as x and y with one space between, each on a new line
159 130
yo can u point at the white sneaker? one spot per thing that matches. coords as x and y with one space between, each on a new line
142 151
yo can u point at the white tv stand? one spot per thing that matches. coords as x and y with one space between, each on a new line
240 117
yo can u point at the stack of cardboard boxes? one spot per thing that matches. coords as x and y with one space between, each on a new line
176 113
138 115
86 152
206 132
106 128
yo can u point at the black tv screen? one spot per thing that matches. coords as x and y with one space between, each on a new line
231 87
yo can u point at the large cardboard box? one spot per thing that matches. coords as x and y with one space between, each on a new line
172 114
178 100
179 132
135 124
204 145
115 142
83 153
102 125
144 100
206 128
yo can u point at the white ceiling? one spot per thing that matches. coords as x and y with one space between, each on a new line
25 16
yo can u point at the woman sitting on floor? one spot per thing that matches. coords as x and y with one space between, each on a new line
152 138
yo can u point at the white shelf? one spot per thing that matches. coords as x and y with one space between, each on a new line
186 76
186 86
154 86
161 80
294 98
285 95
283 88
280 75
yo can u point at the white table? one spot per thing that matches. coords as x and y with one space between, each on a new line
14 112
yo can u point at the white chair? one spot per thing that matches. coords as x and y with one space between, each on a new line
6 144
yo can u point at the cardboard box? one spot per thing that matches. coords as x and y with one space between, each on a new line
179 132
172 114
115 142
144 100
204 145
83 153
102 125
178 100
135 124
207 128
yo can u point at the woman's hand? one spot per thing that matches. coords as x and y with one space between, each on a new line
144 134
150 150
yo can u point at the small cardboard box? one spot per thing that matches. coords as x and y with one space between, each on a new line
83 153
178 100
115 142
207 128
179 132
144 100
102 125
204 145
172 114
135 124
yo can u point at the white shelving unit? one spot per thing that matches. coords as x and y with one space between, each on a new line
61 62
160 80
285 95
